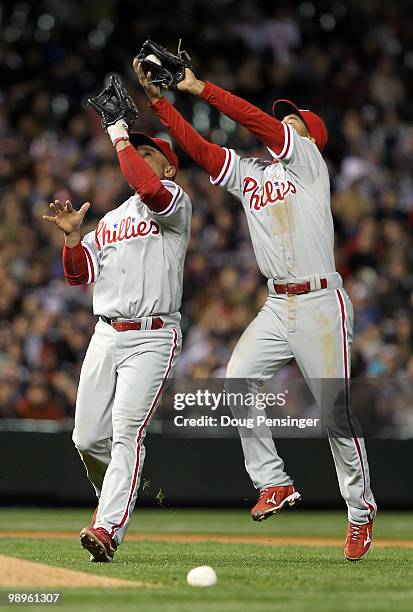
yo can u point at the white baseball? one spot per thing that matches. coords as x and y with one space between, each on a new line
154 59
202 576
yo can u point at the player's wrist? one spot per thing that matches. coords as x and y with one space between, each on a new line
153 96
72 238
155 101
197 88
122 143
118 131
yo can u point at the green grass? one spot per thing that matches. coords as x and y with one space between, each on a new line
253 578
295 522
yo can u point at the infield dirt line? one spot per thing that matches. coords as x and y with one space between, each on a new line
265 540
23 574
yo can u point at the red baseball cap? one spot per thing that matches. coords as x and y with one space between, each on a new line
314 124
140 138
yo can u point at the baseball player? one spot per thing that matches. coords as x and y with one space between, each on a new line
135 258
308 315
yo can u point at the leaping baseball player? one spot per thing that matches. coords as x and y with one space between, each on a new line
135 259
308 315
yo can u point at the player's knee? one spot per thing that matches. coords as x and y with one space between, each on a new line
84 442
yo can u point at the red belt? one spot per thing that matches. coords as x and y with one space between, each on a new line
121 326
297 288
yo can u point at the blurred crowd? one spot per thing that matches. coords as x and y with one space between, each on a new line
350 61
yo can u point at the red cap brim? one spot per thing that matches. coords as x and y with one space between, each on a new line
281 108
314 124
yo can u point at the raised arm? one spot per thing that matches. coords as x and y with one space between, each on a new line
141 177
119 113
267 129
206 154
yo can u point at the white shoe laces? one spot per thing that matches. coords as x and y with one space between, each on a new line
355 531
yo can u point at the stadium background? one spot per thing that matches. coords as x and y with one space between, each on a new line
350 61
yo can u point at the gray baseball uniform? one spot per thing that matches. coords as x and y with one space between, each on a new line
287 203
136 259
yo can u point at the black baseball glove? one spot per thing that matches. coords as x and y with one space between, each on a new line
172 68
114 103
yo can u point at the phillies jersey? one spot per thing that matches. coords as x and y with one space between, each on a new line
287 203
136 257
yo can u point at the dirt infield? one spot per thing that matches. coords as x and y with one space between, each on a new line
19 573
264 540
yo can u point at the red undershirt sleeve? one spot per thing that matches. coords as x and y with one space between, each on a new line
206 154
75 264
267 129
143 180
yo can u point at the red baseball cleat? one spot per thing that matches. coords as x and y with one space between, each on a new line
359 540
99 543
273 499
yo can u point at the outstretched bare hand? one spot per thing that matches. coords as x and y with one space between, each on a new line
66 217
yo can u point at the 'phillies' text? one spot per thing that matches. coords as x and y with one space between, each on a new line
271 192
125 230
